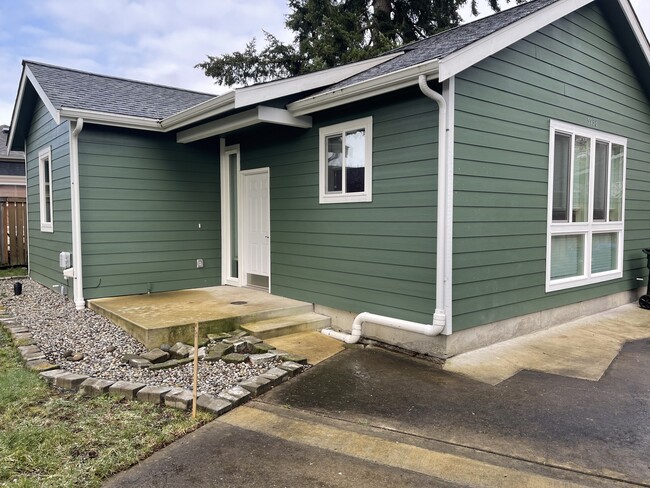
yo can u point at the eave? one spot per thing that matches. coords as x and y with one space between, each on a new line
257 115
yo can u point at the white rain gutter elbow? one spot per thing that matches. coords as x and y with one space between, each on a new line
440 314
78 289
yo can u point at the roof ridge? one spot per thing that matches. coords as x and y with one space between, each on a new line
130 80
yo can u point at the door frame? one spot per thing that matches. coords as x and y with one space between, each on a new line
227 225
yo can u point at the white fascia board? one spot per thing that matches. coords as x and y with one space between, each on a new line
252 95
633 20
254 116
365 89
41 93
116 120
479 50
202 111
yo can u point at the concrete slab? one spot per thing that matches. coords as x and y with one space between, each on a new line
169 317
316 347
583 349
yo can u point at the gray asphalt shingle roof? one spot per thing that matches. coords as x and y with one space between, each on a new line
81 90
447 42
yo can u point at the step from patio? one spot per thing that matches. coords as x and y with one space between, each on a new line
169 317
290 324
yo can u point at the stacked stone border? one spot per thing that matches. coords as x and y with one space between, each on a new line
179 398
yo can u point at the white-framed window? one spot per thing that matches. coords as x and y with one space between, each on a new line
585 206
346 162
45 189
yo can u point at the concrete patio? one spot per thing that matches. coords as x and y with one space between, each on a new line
169 317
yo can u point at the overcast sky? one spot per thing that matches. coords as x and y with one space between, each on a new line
158 41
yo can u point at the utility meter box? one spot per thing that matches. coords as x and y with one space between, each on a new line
64 260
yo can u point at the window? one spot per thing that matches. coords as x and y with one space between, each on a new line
586 199
45 189
346 162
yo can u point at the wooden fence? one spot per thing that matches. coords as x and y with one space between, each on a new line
13 221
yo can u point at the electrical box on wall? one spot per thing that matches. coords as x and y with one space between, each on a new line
64 260
199 263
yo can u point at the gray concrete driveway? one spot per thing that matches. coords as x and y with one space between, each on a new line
369 417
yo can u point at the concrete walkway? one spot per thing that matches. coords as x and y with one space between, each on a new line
371 418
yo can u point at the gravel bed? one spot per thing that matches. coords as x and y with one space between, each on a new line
58 327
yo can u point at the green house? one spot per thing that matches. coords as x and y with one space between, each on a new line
486 182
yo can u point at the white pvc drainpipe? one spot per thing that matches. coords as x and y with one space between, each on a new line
78 287
440 315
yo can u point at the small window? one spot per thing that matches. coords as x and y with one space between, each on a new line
346 162
586 195
45 189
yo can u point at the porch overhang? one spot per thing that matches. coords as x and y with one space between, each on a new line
258 115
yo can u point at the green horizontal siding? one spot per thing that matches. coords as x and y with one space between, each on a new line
44 247
377 256
568 71
143 197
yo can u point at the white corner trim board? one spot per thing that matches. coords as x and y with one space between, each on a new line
78 290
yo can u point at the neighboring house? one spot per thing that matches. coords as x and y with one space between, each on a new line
337 188
12 168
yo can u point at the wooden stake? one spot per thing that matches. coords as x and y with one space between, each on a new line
196 367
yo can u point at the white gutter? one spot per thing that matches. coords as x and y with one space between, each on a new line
115 120
440 320
79 301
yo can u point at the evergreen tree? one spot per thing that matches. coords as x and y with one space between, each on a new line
330 33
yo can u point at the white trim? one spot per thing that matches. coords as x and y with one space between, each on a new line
45 154
506 36
263 92
633 20
449 94
243 264
12 180
591 227
41 93
226 224
116 120
344 197
257 115
365 89
29 253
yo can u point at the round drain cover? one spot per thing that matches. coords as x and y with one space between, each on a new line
238 303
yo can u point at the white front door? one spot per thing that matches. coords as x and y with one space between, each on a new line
256 227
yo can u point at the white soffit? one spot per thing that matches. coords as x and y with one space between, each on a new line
495 42
257 115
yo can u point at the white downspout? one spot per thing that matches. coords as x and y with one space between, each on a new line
78 287
440 314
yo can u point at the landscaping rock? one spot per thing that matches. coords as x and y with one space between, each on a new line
277 375
40 365
32 356
218 406
165 347
251 339
152 394
69 381
262 347
220 349
139 362
257 385
201 352
180 351
291 367
234 357
296 359
125 389
28 350
127 357
76 357
94 387
178 398
172 363
261 358
111 349
235 395
50 375
155 356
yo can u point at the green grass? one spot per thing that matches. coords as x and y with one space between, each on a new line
51 439
11 272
